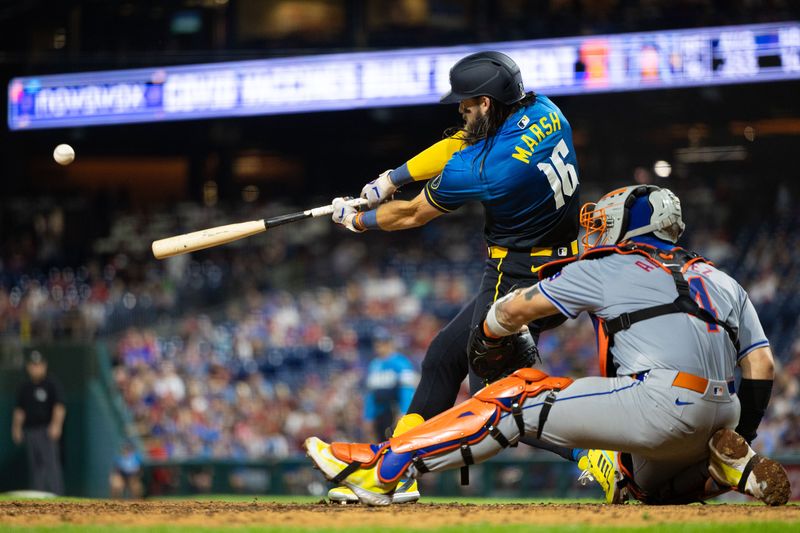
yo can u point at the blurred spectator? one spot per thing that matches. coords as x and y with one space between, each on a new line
163 479
390 383
126 477
38 421
200 479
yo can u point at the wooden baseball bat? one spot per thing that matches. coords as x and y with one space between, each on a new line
207 238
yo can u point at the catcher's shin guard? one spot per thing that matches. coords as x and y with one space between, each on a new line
461 427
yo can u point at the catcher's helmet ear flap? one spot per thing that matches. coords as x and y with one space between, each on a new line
632 211
485 74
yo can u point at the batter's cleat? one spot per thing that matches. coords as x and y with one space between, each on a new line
601 466
406 423
363 482
733 463
406 492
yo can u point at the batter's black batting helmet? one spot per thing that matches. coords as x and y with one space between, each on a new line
485 74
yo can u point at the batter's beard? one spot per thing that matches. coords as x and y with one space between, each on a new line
478 130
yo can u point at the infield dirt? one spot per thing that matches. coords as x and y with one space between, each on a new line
422 516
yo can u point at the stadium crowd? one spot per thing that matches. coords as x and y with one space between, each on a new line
242 352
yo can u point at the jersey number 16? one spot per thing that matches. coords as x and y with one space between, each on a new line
563 177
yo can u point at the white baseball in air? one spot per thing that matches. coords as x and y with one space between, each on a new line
64 154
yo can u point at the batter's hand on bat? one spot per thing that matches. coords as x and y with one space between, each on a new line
344 214
379 190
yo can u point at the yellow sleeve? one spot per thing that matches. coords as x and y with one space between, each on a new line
431 161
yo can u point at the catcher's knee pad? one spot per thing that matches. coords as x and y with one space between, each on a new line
523 383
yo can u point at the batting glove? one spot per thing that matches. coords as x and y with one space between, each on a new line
379 190
345 214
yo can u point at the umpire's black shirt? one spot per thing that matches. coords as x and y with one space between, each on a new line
37 401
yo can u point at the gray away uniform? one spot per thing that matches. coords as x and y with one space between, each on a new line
664 427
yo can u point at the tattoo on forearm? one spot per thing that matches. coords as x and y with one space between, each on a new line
530 293
502 316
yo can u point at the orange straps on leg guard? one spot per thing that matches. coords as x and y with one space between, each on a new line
535 381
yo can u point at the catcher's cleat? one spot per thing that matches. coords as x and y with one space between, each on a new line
601 466
363 482
342 495
733 463
406 492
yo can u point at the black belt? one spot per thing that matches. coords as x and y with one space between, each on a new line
567 250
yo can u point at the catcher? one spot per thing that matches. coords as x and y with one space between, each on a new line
671 329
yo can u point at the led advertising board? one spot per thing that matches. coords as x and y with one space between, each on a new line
576 65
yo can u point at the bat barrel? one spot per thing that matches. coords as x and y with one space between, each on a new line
200 240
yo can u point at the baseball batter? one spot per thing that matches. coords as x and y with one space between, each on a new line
671 329
515 156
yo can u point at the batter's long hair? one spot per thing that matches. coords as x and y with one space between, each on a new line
486 127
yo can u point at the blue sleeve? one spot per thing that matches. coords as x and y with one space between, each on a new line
404 401
455 186
369 407
401 175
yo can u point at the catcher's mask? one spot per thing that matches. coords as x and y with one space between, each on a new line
630 212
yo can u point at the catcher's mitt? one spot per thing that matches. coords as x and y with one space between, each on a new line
492 359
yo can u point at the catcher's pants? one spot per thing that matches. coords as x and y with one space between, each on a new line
664 427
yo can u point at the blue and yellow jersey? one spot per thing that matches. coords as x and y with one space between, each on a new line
526 178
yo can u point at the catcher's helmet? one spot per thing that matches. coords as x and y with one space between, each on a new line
485 74
630 212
